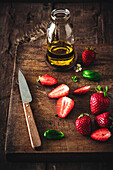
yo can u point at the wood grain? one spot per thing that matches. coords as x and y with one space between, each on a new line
85 19
32 65
20 16
32 129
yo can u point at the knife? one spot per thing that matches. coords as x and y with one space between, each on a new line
26 99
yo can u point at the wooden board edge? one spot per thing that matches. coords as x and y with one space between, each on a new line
59 157
10 104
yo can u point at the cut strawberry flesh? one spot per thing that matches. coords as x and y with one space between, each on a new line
59 91
48 80
101 134
64 106
82 90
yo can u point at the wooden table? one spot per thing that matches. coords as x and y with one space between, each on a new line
21 26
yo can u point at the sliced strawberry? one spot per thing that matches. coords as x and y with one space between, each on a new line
59 91
47 80
101 134
64 106
82 90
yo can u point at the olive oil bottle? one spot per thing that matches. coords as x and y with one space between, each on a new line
60 41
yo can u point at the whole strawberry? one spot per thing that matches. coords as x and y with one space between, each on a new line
83 124
104 120
88 56
99 101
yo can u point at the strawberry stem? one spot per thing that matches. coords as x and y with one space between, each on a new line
105 92
99 88
83 114
111 118
91 48
74 79
38 79
111 125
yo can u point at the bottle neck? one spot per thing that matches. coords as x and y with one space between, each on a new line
60 15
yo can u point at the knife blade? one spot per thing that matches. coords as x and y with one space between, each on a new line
26 99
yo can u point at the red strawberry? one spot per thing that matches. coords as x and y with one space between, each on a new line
82 90
59 91
88 56
99 101
83 124
64 106
101 134
104 120
47 80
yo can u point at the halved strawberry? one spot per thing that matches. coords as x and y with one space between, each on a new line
47 80
59 91
101 134
82 90
64 106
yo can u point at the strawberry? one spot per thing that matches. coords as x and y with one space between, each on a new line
99 101
82 90
59 91
101 134
47 80
64 106
88 56
83 124
104 120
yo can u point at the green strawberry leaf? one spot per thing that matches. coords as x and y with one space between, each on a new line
105 92
74 79
53 134
111 118
83 114
38 79
99 88
111 125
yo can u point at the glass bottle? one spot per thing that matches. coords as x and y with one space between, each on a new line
60 41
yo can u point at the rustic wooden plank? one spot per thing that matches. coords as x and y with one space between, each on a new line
86 21
5 103
22 166
74 166
8 44
107 12
33 65
6 67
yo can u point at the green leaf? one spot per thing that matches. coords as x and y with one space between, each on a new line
83 114
53 134
111 118
38 79
99 88
91 75
111 125
74 79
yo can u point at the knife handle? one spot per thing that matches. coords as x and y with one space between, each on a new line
32 129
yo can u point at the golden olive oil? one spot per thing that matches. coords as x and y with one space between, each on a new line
60 53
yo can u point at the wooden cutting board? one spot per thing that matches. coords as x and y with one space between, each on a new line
74 146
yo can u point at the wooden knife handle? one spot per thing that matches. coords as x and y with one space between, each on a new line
32 129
